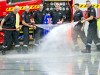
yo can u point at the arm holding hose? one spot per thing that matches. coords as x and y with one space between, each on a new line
26 24
31 25
88 19
33 22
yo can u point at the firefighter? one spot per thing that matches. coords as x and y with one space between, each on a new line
92 29
78 28
38 16
27 23
11 22
57 15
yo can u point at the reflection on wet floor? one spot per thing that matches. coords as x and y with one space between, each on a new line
50 63
53 57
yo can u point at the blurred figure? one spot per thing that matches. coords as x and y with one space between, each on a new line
78 28
57 15
92 30
47 20
38 16
27 23
11 22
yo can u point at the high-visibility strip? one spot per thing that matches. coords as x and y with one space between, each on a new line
34 6
84 5
17 21
98 24
10 9
23 7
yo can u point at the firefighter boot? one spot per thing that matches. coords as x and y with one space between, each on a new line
76 48
98 47
25 48
87 50
18 49
4 49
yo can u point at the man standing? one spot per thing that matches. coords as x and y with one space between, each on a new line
11 21
57 15
78 29
27 23
92 30
38 16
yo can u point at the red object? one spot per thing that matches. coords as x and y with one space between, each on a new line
8 7
98 10
69 32
1 37
70 6
69 36
85 15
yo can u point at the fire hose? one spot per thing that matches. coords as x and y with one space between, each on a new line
43 26
2 33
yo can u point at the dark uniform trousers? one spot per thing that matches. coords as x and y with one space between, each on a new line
77 31
26 35
38 35
38 17
26 16
9 37
92 35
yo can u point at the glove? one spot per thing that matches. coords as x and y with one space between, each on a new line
60 22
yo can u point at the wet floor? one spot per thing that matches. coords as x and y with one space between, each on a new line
50 63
